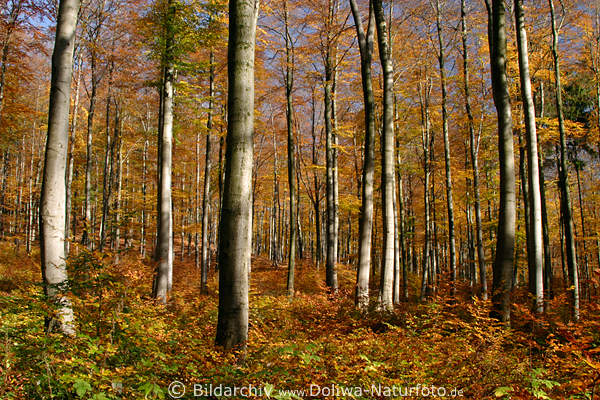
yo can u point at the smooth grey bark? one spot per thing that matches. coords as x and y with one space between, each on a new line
449 199
53 197
164 274
331 237
235 229
566 208
424 95
365 41
86 238
535 250
289 85
505 244
207 167
108 163
474 150
387 174
70 159
144 190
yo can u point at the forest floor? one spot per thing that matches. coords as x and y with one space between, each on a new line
316 346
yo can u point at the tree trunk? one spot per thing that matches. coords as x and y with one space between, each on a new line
449 200
365 42
88 234
505 245
330 261
164 276
70 159
535 249
236 219
53 198
564 175
387 175
207 166
474 150
289 84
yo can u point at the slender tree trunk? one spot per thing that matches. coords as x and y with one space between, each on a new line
289 85
545 232
564 175
52 221
330 261
505 245
424 93
474 150
235 234
86 238
365 41
144 190
70 158
108 171
164 276
207 167
535 249
387 175
449 200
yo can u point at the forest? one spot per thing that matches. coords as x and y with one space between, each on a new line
290 199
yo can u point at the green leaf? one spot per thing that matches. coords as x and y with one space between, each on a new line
81 387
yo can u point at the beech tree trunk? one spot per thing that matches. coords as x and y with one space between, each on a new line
365 42
449 200
535 249
566 208
207 166
164 277
331 234
505 245
289 85
53 197
474 150
70 159
235 228
387 175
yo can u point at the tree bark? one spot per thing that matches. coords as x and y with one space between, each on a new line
449 199
289 85
70 159
236 219
207 167
387 175
535 250
474 150
505 245
365 41
164 276
563 181
53 198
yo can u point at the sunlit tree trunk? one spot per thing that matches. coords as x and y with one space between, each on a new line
535 240
53 197
236 219
388 163
505 245
164 275
365 41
